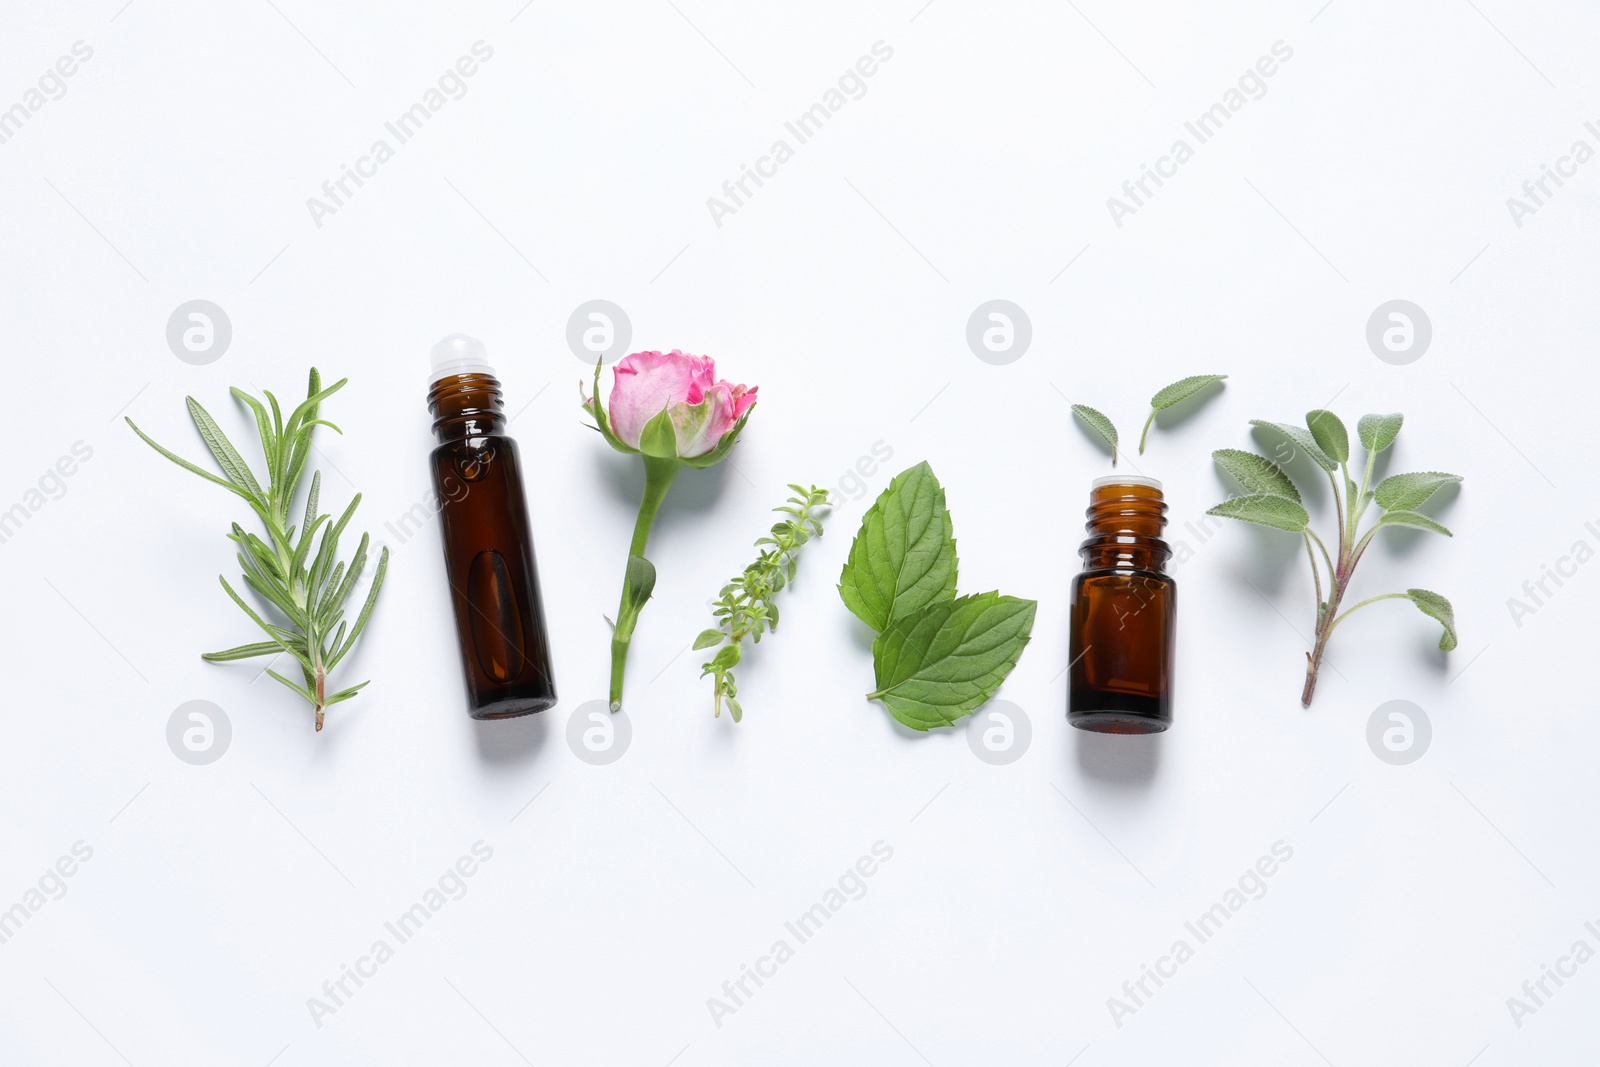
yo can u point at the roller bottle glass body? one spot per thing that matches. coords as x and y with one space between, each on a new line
1124 613
488 551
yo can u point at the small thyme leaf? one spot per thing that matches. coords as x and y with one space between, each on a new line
745 607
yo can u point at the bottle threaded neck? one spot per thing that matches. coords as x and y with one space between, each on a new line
465 406
1126 518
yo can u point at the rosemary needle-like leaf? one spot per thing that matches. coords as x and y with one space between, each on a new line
306 589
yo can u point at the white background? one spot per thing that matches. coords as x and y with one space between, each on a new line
976 166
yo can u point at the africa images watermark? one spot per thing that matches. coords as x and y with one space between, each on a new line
1204 127
1566 566
52 885
451 885
51 85
52 485
1536 192
1251 885
451 85
851 885
804 127
1536 992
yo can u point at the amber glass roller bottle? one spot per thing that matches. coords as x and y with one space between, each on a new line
488 549
1124 607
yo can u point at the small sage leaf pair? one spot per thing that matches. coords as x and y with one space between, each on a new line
1165 398
937 656
1271 499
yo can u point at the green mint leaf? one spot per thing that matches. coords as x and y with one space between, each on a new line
1412 518
1183 389
944 661
1437 607
1377 432
1100 425
708 638
1328 431
1264 509
1303 439
904 556
1256 473
1407 492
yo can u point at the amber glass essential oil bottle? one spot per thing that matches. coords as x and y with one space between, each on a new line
1124 607
488 549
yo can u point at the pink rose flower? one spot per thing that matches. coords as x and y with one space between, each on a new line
702 409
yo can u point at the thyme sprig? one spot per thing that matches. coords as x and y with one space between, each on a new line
745 607
307 590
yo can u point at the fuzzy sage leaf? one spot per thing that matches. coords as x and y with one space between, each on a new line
1256 473
1100 425
1377 432
1328 431
1407 492
1265 509
1173 395
1303 439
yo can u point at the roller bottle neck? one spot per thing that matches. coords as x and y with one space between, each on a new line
465 406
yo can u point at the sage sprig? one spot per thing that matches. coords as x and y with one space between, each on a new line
307 591
1271 499
745 607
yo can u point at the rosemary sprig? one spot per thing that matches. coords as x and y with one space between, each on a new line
745 608
308 591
